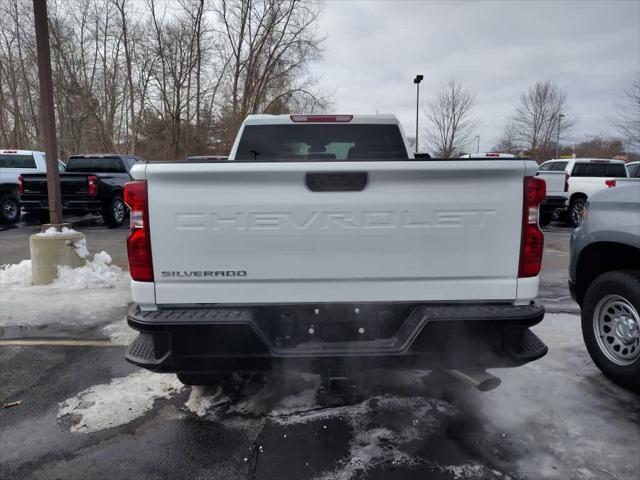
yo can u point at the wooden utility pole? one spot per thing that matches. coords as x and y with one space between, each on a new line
47 113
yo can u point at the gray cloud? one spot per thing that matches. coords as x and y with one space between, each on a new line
497 49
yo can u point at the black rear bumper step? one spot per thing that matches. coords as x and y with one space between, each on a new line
211 339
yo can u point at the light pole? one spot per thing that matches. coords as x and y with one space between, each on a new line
417 81
478 139
47 111
558 139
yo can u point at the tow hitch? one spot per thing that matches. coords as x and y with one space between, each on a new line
336 389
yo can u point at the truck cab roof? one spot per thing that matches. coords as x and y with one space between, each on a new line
263 119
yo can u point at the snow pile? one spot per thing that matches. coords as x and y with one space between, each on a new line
16 275
98 273
118 402
81 248
54 232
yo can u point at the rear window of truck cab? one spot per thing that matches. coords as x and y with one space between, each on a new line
617 170
95 164
321 142
17 161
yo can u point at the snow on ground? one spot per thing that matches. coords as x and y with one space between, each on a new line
98 273
120 333
87 295
118 402
201 403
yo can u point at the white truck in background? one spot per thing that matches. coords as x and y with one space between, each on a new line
321 244
570 182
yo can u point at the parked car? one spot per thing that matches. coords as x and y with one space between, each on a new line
604 278
90 184
633 168
13 163
206 158
583 177
323 245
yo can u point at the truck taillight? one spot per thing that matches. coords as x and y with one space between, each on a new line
532 245
20 184
92 186
139 240
566 182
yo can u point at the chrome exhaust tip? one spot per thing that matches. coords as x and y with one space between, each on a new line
479 379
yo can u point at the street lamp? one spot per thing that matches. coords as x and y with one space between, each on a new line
417 81
558 139
478 139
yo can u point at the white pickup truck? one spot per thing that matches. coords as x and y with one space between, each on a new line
571 182
321 244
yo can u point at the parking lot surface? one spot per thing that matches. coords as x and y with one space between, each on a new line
86 413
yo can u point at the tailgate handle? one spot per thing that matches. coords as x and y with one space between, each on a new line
336 181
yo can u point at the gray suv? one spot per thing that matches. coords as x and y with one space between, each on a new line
604 278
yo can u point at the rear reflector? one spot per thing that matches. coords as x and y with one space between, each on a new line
321 118
139 240
92 188
532 245
20 184
610 183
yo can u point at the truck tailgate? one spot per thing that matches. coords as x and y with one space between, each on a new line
253 233
35 184
555 182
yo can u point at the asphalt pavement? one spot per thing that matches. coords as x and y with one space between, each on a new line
84 412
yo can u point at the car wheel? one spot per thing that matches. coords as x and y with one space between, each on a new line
9 209
575 211
611 325
115 213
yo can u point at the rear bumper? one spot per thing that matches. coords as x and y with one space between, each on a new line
75 205
242 339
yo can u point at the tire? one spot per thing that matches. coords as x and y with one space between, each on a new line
115 212
575 210
9 209
202 379
611 325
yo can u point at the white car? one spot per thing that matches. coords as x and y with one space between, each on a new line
323 244
581 177
14 163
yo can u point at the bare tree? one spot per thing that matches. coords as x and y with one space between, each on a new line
127 77
627 120
269 45
508 142
534 126
450 121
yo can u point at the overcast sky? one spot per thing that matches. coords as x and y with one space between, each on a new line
498 49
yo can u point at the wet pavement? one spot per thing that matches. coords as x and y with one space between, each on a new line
86 413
